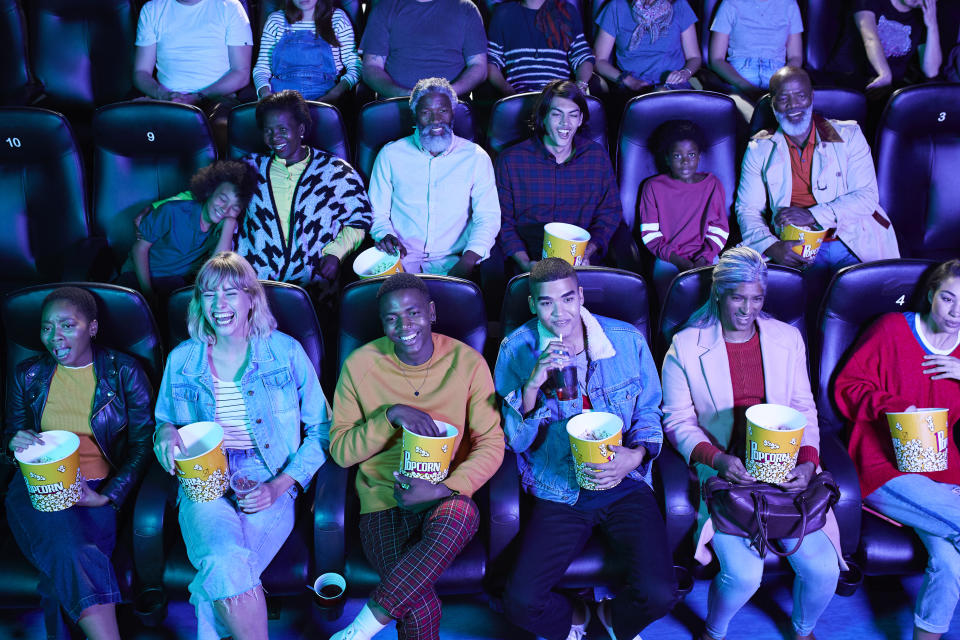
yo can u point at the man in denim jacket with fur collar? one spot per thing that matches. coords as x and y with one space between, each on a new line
616 374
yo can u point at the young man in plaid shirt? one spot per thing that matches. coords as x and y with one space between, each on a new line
411 530
556 176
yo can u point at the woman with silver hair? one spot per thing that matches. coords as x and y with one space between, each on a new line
728 357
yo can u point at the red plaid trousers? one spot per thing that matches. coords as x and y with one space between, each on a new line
410 550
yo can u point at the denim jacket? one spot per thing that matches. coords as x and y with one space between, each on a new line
288 414
621 379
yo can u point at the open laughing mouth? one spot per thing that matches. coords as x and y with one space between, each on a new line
409 338
223 318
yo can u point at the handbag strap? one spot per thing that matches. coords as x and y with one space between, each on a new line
760 514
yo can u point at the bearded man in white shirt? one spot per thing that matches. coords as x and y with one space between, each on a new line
433 193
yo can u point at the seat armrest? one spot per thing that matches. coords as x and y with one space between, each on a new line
835 459
504 506
681 496
88 259
157 493
623 252
329 506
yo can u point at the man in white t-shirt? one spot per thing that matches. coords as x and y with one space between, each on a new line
201 50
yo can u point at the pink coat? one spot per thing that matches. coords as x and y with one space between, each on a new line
698 399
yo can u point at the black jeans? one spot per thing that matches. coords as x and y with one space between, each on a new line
553 536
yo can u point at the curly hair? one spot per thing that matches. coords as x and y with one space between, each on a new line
402 280
241 175
322 19
557 89
229 268
287 100
82 299
432 85
673 131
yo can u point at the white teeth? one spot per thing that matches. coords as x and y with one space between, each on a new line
222 317
409 338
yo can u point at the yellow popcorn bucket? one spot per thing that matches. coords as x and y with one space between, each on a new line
52 471
590 435
774 434
919 439
202 467
428 457
566 241
372 262
811 239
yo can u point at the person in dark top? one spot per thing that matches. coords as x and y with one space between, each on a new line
883 41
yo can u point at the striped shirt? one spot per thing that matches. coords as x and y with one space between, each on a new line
345 56
520 51
231 414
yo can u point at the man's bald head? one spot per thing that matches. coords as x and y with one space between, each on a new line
783 74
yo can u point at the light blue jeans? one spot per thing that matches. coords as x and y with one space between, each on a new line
756 71
741 569
229 548
933 510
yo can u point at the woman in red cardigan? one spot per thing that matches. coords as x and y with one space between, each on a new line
904 361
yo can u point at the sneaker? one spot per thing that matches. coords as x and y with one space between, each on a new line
605 620
347 633
579 631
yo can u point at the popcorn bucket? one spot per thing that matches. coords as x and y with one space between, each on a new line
567 241
590 436
774 433
202 468
428 457
52 471
811 239
919 439
373 262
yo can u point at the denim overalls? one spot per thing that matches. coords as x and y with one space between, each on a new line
303 60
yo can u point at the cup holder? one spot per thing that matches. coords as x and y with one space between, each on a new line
849 580
150 606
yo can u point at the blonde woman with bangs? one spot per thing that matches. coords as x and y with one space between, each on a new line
258 384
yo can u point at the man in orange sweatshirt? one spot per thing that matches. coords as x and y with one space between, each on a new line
410 529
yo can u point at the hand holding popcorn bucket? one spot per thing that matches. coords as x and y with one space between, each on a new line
810 240
566 241
372 263
202 464
774 434
591 435
919 439
428 457
51 470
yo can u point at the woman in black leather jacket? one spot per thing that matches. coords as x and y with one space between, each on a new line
105 398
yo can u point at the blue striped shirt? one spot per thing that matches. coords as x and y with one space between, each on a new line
520 51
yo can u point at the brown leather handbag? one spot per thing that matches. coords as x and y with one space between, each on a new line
764 512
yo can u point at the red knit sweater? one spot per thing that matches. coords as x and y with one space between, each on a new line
884 374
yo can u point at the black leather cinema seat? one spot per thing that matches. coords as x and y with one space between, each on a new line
857 296
144 151
918 152
831 102
510 121
17 85
823 23
160 556
637 160
82 52
460 314
327 131
383 121
127 325
43 209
